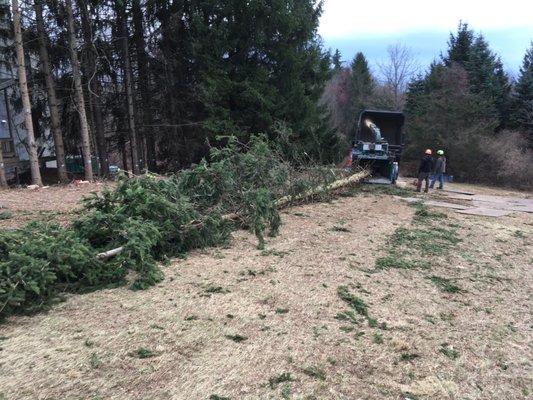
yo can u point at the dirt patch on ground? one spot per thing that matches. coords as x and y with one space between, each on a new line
54 203
240 323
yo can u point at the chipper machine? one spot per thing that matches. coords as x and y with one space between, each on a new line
378 144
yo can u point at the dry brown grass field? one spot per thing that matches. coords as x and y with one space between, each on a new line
365 297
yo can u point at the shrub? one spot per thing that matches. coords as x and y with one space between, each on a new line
508 160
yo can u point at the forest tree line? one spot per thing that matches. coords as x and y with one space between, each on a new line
464 103
162 80
154 84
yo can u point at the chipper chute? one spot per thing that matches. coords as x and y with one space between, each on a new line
378 144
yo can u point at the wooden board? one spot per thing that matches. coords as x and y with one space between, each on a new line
457 192
486 212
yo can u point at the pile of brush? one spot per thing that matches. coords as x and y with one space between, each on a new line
146 220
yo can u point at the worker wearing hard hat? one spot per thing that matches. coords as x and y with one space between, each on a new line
440 169
424 171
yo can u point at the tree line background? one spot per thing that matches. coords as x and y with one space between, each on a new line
160 81
464 103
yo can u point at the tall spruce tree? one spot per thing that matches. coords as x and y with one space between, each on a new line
486 76
337 61
256 64
360 89
522 115
416 93
460 46
485 70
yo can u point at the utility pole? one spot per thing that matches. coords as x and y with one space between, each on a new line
51 91
23 85
85 141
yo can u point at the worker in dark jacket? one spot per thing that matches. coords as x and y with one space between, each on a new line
439 171
424 171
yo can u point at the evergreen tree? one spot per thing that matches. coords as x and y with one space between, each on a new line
360 89
486 76
522 116
485 70
416 91
442 112
239 68
362 80
460 45
337 61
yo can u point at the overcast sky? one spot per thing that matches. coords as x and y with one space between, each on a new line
424 26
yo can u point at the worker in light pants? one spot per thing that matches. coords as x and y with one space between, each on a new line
440 169
424 171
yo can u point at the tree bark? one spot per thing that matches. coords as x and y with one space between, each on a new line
3 180
95 89
55 122
124 150
142 63
121 20
23 85
85 140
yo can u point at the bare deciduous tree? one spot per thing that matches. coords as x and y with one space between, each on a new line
397 71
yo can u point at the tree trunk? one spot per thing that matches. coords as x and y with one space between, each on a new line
23 85
124 150
95 89
85 141
145 112
3 180
123 28
55 121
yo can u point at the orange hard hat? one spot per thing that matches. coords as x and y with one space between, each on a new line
428 151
